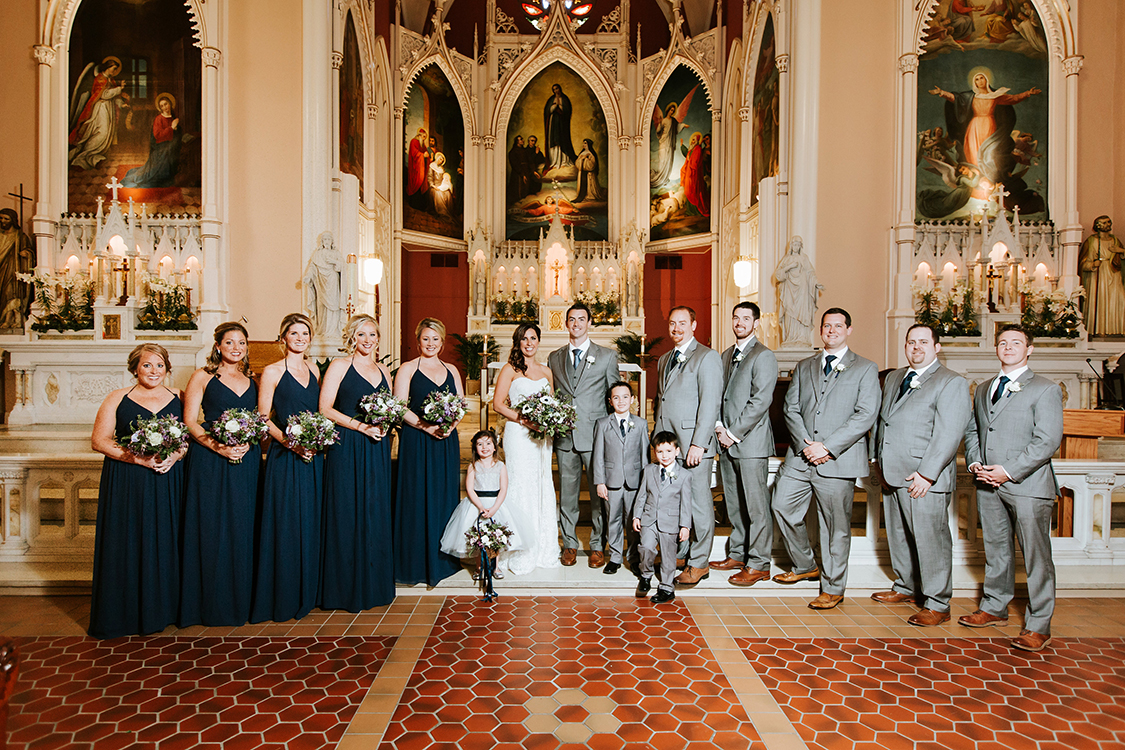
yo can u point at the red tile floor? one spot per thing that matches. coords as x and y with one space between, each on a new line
442 671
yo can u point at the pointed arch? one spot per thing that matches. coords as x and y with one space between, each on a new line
1055 15
662 77
59 20
463 99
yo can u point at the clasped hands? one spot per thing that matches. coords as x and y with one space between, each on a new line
992 475
815 453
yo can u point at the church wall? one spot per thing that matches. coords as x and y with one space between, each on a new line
264 65
18 19
856 166
1101 104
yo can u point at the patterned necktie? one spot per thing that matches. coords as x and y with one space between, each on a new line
906 383
828 360
577 358
622 428
1004 380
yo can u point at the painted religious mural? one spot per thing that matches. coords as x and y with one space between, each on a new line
434 162
351 106
134 106
765 112
680 158
558 158
982 111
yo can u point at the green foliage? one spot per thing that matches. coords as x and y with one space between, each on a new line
1053 315
64 304
952 316
514 309
605 308
470 350
166 308
629 347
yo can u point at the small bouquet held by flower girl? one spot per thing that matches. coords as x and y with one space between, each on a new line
311 431
554 414
444 408
158 437
382 409
490 537
239 427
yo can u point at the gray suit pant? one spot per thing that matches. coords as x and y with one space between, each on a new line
571 463
921 545
791 497
617 520
697 550
650 540
747 499
1030 519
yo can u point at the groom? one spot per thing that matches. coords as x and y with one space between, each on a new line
585 372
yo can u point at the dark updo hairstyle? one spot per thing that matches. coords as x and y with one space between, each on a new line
516 358
215 358
491 435
135 357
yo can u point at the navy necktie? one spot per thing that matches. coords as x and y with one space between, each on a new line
906 383
622 428
828 360
663 475
1004 380
577 358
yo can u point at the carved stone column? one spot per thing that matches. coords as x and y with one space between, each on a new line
43 227
216 265
804 123
1071 239
13 489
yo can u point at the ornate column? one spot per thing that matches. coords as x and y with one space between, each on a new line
805 121
394 273
216 263
784 116
1071 239
13 534
337 63
490 175
902 272
43 227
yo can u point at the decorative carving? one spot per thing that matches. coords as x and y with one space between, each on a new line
399 112
464 70
93 389
649 71
44 55
51 388
611 22
704 48
212 57
1073 64
337 60
372 111
505 24
744 114
624 142
606 57
411 46
475 140
489 142
908 63
1101 480
558 38
638 140
782 62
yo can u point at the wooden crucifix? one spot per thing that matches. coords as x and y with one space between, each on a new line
21 198
557 266
992 276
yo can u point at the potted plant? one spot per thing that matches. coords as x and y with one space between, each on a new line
470 350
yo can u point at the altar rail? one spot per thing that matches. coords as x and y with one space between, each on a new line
50 505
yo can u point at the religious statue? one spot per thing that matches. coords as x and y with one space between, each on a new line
632 289
324 282
16 257
480 301
798 291
1099 260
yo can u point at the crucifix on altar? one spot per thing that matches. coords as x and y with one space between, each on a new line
558 268
992 276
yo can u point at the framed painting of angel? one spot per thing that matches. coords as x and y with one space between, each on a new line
680 158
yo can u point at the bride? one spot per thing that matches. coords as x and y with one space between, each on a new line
531 488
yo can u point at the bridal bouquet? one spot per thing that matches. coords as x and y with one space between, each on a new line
239 427
489 536
554 414
382 409
312 431
158 437
444 408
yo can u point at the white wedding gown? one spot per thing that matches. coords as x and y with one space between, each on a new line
531 489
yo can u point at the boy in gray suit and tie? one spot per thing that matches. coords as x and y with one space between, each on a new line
1017 426
662 515
618 460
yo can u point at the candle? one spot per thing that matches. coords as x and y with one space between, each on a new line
642 345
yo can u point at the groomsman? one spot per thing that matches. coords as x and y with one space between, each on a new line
831 404
926 408
1017 426
689 390
746 439
584 371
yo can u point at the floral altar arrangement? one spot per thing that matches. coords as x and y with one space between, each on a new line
66 303
605 307
382 409
158 437
514 309
950 315
1050 314
553 414
444 408
167 306
239 427
311 431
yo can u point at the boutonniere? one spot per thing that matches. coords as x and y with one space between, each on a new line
739 356
590 359
629 425
670 472
915 384
1015 387
839 367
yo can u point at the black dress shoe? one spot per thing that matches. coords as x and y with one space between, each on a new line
662 596
644 585
611 568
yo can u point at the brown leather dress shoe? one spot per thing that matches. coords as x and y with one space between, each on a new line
680 563
692 576
928 618
569 556
981 619
1029 640
728 564
892 597
791 577
597 559
825 601
748 577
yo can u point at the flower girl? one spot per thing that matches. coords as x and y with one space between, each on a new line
486 482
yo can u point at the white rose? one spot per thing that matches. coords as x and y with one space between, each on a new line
175 431
231 425
295 431
153 438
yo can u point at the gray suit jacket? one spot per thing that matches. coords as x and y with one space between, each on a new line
837 410
588 388
921 431
667 506
1020 432
618 461
747 395
688 398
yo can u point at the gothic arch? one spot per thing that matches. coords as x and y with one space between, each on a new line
440 58
363 33
1054 13
732 122
754 49
662 77
59 19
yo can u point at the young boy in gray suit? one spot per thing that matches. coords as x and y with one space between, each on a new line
664 515
617 463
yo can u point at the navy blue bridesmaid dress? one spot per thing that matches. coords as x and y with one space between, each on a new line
220 500
358 566
136 577
429 472
287 579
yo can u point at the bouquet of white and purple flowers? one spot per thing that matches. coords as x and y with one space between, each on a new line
239 427
311 431
489 536
382 409
444 408
158 437
553 414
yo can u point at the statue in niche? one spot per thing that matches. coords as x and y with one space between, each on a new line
1099 260
632 289
798 291
324 284
16 257
480 298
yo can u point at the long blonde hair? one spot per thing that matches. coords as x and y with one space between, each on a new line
356 322
215 358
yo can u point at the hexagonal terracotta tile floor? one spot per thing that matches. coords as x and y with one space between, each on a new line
953 693
567 672
202 693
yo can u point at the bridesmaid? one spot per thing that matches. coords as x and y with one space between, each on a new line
220 497
429 466
357 571
287 579
136 586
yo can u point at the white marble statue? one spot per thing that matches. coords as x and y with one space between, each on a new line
324 288
798 291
